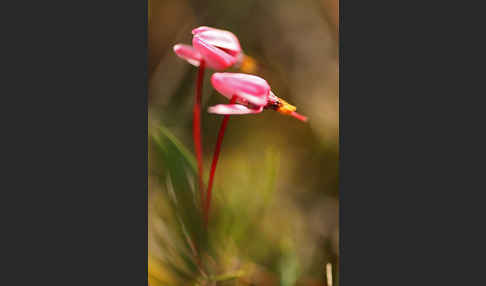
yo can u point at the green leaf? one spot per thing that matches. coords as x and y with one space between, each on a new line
228 276
175 168
161 133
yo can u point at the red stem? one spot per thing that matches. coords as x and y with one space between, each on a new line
217 150
196 129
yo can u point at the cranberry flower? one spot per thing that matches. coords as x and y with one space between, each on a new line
249 94
253 94
219 49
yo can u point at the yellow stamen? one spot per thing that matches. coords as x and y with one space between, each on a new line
285 107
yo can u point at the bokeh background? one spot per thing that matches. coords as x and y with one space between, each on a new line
275 201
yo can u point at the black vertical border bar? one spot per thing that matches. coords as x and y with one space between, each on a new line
145 169
76 163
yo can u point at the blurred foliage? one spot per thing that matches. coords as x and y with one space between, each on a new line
274 216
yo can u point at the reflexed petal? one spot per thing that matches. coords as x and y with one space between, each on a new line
255 100
202 29
214 57
251 88
188 53
233 109
221 39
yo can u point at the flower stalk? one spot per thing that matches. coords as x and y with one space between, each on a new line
217 150
196 128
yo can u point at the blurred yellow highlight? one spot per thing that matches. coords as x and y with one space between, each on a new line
156 272
248 65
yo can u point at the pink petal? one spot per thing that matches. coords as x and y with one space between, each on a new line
221 39
188 53
233 109
202 29
214 57
250 88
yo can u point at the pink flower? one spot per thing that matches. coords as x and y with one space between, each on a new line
252 95
249 89
219 49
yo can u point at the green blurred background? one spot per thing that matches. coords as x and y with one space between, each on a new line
275 200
